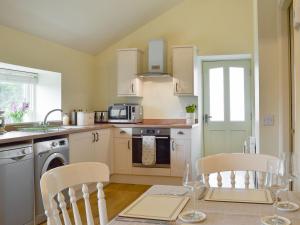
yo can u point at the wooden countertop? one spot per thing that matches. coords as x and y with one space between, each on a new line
18 136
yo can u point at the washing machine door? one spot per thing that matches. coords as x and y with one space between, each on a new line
54 160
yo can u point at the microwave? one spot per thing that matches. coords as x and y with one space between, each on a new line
125 113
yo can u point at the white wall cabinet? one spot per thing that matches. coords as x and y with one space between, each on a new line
122 151
185 70
93 146
129 65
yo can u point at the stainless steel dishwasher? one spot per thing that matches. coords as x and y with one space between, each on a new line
16 185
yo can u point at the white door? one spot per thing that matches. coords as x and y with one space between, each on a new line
102 147
227 106
81 147
122 156
179 147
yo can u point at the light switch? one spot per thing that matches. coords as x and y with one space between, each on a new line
268 120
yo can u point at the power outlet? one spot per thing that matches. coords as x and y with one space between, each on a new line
268 120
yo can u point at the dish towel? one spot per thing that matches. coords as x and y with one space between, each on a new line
149 151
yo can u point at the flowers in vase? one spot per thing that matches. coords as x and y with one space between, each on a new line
17 111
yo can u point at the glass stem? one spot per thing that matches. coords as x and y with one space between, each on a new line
194 199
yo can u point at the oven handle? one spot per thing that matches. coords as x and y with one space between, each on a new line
140 137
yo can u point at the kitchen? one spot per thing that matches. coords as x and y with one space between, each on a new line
133 101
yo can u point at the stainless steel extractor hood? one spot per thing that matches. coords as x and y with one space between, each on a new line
157 59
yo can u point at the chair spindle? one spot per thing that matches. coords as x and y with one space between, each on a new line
101 205
232 179
73 200
55 211
88 210
206 178
247 179
63 206
219 179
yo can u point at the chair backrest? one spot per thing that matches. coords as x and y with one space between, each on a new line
233 162
58 179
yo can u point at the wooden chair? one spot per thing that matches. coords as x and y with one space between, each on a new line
233 162
56 180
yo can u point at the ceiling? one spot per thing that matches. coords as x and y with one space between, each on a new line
85 25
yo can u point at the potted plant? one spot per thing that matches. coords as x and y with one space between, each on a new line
17 111
190 114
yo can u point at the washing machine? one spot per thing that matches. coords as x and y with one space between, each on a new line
49 153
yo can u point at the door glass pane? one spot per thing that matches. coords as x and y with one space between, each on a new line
216 94
237 93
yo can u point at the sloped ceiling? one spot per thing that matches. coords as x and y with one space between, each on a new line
85 25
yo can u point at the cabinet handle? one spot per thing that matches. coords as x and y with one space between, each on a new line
128 144
94 137
97 137
132 88
180 132
173 145
122 132
176 87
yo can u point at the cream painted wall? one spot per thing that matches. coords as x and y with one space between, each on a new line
297 103
214 26
273 77
77 68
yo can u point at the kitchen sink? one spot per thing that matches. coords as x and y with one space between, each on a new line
41 128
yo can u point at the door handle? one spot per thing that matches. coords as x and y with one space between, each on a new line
207 118
173 145
128 144
94 137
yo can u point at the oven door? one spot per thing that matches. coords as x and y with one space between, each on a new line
162 152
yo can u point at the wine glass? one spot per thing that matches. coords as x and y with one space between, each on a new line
276 183
194 183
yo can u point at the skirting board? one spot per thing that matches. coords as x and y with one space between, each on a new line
147 180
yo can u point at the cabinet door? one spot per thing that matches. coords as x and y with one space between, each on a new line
81 147
122 155
128 64
102 147
184 70
179 150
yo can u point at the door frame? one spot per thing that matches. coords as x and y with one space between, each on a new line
254 99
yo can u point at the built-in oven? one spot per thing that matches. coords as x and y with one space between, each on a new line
162 146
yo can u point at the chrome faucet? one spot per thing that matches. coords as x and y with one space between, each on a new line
46 117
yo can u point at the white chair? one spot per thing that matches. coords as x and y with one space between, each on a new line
233 162
56 180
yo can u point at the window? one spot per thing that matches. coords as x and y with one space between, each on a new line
237 93
23 92
216 94
17 91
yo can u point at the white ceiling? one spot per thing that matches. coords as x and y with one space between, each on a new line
86 25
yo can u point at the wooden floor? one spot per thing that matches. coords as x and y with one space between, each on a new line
118 196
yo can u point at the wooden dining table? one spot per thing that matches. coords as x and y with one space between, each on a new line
222 213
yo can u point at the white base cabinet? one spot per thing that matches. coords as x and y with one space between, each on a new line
103 151
122 150
92 146
114 148
81 147
185 148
